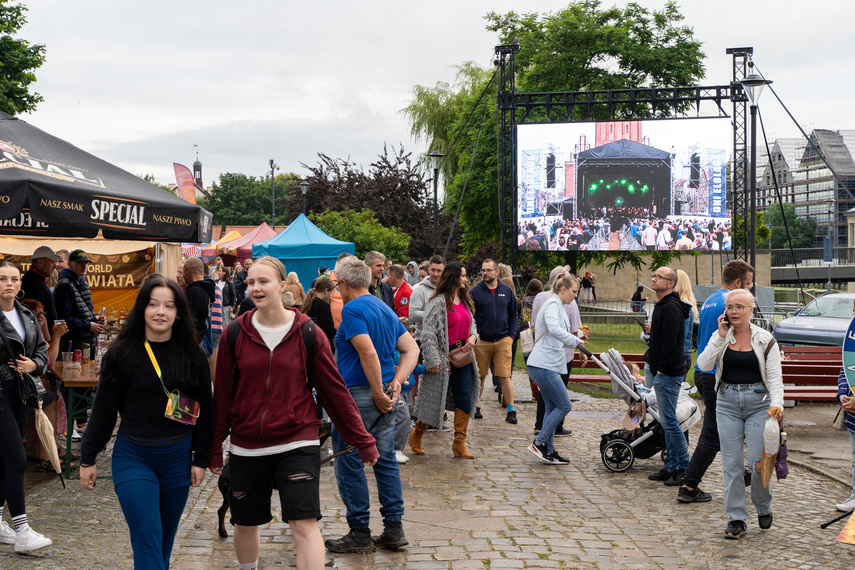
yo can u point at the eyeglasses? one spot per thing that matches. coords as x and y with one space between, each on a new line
488 270
340 281
662 277
734 308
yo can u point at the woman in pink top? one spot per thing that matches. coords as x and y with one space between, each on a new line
447 324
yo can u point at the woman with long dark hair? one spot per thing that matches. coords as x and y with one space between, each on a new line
448 324
159 452
317 305
29 354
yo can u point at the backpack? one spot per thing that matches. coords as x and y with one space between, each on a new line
309 334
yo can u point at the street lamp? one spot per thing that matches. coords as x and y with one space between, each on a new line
304 187
753 85
273 168
830 238
435 157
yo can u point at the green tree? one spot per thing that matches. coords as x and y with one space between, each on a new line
802 229
363 229
582 47
151 180
18 62
238 199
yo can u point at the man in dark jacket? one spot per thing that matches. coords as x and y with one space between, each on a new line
33 282
497 317
667 365
73 301
200 299
376 261
240 280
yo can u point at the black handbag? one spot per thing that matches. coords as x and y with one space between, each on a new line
31 388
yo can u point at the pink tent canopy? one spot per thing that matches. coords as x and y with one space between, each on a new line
242 247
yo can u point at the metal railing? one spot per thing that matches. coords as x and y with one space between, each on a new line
811 257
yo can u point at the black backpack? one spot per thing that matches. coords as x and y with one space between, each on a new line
309 333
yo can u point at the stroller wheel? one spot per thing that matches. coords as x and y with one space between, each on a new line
618 456
664 456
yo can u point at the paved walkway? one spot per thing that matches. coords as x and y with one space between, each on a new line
502 510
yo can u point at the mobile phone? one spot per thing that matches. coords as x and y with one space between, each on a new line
726 318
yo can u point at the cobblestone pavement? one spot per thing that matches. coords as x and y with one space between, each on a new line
502 510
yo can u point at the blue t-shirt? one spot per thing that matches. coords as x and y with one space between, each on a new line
367 315
711 310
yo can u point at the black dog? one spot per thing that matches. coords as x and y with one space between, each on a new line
223 483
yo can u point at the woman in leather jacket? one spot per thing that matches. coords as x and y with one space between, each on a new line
26 352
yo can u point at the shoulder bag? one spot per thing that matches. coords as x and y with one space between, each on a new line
31 387
458 358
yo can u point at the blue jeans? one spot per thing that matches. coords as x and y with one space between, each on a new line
460 384
152 484
741 417
667 390
350 473
852 447
556 402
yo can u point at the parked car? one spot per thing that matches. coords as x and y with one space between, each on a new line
823 322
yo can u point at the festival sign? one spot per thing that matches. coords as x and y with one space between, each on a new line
115 271
51 188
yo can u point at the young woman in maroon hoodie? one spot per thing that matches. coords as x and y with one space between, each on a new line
262 401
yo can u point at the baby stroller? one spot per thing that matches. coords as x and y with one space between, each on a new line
620 447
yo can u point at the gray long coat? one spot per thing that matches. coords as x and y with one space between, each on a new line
433 387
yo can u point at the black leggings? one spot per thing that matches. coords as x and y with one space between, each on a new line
13 461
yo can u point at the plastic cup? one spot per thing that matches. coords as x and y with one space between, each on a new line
67 357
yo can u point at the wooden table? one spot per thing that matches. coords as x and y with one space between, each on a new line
77 381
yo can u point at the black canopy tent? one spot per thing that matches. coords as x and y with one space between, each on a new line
51 188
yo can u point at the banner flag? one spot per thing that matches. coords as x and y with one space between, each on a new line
184 180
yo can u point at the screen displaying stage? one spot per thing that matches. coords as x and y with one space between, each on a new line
623 185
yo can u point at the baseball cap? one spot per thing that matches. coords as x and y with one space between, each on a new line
45 251
79 256
408 324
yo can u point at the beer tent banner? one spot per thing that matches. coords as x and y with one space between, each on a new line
51 188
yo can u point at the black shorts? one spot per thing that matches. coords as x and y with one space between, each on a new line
297 475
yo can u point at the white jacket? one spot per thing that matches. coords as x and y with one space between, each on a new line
770 366
553 326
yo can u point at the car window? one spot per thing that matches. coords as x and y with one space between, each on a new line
835 308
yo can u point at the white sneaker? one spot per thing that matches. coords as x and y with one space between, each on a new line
848 505
7 535
76 436
28 540
399 455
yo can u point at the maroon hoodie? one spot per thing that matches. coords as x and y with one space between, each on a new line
268 403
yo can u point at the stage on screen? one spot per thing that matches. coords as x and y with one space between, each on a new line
624 185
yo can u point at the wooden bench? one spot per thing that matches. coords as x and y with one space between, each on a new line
810 372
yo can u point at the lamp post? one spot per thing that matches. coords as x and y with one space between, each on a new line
273 168
753 85
830 241
304 187
435 157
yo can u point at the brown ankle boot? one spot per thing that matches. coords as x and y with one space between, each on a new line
461 423
415 439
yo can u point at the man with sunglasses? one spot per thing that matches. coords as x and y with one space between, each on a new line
668 366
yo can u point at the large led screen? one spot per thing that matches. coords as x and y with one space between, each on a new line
625 185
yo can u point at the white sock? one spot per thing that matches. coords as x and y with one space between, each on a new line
248 566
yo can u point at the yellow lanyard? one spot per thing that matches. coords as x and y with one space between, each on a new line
156 367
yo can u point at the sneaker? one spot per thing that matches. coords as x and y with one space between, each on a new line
478 415
28 540
358 540
511 417
392 538
676 478
536 430
661 475
563 431
734 529
540 451
76 436
765 521
848 505
400 457
684 495
557 459
7 535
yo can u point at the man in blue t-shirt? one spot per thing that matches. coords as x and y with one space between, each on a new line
736 274
366 341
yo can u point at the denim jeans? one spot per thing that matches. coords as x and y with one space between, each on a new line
555 399
350 473
741 417
852 447
460 384
667 390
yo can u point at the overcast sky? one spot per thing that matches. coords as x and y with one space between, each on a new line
138 84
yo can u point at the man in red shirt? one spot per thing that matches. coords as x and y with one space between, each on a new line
402 290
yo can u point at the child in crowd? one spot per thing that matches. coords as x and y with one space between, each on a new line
403 415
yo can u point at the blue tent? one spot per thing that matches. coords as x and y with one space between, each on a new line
303 247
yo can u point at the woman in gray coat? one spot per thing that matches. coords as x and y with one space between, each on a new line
448 324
